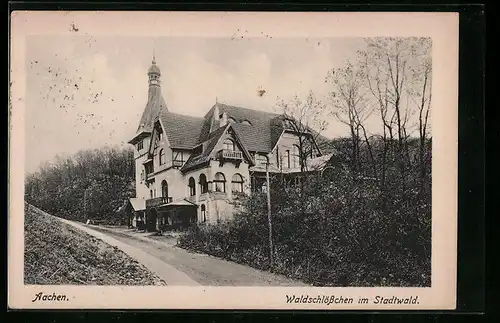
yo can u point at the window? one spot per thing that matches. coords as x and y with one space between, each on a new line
151 193
237 182
295 157
203 213
287 159
263 188
220 183
203 184
192 187
162 156
261 160
140 145
178 158
164 189
148 167
159 134
228 145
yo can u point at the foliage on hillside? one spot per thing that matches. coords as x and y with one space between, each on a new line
56 253
92 184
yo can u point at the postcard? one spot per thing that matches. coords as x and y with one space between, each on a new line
233 160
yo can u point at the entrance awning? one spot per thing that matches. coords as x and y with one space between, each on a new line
182 202
138 204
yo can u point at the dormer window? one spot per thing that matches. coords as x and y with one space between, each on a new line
197 150
229 145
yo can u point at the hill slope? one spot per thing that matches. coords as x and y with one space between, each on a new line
58 254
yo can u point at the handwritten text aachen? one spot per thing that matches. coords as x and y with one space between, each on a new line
332 299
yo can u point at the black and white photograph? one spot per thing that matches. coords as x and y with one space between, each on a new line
238 154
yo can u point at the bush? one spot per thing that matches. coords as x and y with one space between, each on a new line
328 233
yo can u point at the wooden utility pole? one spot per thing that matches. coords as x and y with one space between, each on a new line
271 248
85 203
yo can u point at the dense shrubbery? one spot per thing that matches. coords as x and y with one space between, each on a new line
336 230
106 174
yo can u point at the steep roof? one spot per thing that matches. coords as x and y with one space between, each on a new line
182 131
155 104
208 145
255 136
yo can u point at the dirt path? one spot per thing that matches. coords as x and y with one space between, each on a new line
168 273
204 269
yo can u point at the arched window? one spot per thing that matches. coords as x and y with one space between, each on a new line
162 156
228 145
295 157
151 193
220 183
237 182
164 189
203 184
192 187
203 213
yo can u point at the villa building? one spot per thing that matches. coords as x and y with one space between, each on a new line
190 169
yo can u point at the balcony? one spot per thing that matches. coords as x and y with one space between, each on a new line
157 201
231 154
177 163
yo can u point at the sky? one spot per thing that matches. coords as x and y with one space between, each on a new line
87 92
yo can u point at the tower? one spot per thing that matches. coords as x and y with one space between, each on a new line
154 73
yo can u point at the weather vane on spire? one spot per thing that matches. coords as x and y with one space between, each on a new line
154 59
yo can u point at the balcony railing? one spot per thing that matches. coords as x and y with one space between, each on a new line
158 201
231 154
177 163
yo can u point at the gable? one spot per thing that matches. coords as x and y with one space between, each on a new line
213 145
230 133
158 137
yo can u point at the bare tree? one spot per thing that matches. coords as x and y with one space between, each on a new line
349 107
390 66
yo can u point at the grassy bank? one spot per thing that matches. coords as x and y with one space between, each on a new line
58 254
